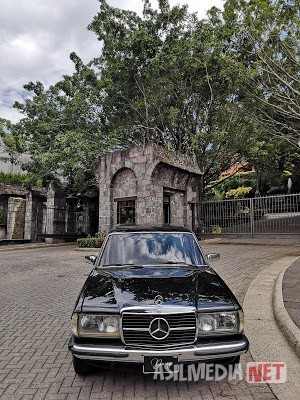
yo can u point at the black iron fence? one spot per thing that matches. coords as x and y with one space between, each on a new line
255 216
62 221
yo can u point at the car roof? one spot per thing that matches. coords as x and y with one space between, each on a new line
147 228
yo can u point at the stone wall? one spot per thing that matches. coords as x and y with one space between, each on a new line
28 221
43 214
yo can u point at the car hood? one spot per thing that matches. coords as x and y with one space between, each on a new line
111 290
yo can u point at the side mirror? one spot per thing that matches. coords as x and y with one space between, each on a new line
213 256
92 259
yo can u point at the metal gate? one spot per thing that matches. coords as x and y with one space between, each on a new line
272 215
61 221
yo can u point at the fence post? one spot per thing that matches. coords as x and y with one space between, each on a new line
252 217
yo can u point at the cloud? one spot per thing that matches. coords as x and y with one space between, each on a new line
37 36
36 40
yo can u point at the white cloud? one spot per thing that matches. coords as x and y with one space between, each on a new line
37 36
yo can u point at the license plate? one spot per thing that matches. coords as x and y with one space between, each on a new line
160 364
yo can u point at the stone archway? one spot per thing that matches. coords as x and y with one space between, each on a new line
171 186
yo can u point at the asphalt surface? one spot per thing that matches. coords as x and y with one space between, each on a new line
38 288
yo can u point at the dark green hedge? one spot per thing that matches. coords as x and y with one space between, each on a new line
16 179
90 242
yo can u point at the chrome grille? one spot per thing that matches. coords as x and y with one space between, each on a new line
135 327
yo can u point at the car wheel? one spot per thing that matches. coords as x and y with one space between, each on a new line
80 367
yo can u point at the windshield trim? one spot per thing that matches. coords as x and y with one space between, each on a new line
127 232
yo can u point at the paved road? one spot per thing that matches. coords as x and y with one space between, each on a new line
38 288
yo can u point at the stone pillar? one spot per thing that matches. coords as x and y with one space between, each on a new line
16 218
178 208
149 205
30 218
29 227
33 216
105 212
86 218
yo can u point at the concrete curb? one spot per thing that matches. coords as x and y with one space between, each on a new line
33 246
88 249
287 326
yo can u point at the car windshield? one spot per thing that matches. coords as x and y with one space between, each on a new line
150 248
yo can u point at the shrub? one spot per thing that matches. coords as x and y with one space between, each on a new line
218 189
90 242
17 179
235 182
239 193
216 229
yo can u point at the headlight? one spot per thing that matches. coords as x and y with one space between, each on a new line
220 322
94 325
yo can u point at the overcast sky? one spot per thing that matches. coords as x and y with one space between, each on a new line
37 36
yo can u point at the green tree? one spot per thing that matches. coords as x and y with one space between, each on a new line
209 88
169 80
266 36
62 129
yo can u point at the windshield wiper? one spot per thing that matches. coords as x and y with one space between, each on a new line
178 263
120 265
174 262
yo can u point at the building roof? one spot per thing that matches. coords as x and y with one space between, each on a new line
157 154
18 190
175 159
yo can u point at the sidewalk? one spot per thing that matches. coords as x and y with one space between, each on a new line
33 245
267 326
261 241
291 291
286 291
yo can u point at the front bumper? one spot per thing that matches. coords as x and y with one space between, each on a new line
204 350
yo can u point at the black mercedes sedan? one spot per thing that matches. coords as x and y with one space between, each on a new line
153 296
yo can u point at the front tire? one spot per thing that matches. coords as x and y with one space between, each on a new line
80 367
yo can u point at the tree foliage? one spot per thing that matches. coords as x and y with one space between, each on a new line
169 80
221 89
266 36
62 129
